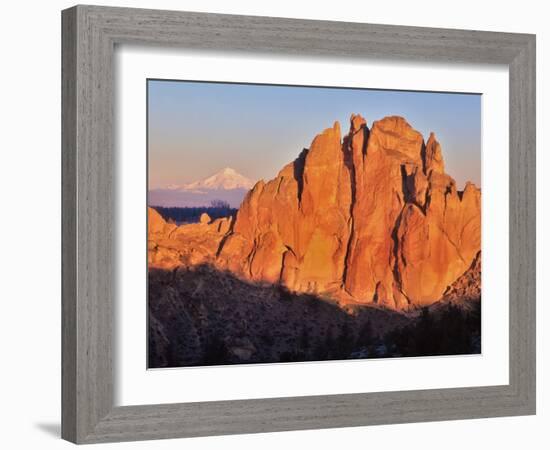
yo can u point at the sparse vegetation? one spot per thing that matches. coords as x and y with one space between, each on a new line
450 331
202 316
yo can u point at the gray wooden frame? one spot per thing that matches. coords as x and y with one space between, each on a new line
89 37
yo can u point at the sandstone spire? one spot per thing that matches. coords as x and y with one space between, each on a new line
433 158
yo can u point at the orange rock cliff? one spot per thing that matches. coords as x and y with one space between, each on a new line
370 218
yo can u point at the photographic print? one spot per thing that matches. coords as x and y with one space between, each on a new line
298 223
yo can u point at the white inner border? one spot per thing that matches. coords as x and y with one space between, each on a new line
136 385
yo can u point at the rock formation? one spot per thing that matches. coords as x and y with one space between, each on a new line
370 218
466 288
170 246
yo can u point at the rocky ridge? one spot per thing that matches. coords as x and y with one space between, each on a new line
368 218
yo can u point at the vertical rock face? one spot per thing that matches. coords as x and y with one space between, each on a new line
392 150
368 218
295 228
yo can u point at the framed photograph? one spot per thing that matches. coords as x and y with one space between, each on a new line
277 224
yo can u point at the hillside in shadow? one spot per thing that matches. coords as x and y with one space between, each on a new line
203 316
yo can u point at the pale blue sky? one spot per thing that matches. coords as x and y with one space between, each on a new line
195 128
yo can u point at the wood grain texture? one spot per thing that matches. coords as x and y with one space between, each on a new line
68 225
89 37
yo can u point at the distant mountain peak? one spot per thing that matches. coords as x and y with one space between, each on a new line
226 179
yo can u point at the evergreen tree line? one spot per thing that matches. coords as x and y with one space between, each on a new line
452 331
179 215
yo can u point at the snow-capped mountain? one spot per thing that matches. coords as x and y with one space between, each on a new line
227 185
227 178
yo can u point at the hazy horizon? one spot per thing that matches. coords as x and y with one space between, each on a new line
198 128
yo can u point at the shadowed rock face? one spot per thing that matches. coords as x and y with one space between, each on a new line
369 218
